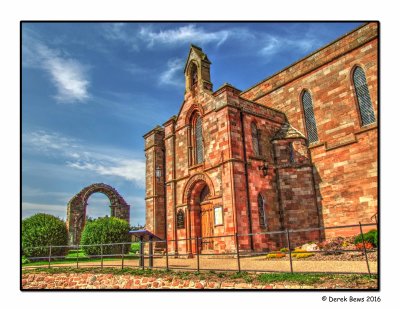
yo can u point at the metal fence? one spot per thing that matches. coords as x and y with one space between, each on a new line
168 254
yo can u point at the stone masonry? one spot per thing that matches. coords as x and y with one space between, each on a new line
241 162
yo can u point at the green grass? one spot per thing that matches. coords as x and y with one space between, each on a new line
71 258
309 279
297 278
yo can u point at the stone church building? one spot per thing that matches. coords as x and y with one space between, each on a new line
297 150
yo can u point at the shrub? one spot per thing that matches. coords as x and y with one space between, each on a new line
368 246
44 230
302 255
275 255
106 230
371 237
135 247
284 250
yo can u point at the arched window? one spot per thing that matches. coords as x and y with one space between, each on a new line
180 219
198 140
255 140
363 97
311 126
261 211
193 76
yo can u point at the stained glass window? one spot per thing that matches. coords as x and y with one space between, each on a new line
363 97
254 137
199 141
311 126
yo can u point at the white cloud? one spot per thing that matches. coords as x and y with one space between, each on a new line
272 45
171 75
103 160
68 75
119 32
184 34
132 170
29 209
29 192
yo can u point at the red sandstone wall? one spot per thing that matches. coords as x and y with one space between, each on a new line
131 282
345 157
155 209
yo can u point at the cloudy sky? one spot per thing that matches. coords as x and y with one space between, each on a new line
90 91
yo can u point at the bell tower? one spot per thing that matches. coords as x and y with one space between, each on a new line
197 71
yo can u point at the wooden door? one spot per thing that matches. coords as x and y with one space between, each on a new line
207 226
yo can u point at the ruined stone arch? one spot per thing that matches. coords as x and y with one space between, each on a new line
76 210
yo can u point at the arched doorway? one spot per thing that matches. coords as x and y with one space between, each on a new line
201 217
76 211
206 220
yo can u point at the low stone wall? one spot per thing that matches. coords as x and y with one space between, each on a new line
109 281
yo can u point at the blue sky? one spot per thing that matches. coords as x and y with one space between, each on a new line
90 91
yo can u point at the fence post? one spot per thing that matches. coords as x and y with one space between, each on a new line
197 253
77 256
166 248
237 251
365 249
123 255
290 250
151 252
49 256
101 254
141 253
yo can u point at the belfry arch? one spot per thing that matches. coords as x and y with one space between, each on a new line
76 210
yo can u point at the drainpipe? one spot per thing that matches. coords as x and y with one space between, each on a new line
246 174
315 196
281 213
165 194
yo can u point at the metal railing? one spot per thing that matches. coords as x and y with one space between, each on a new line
229 256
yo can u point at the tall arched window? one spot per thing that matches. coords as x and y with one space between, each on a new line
198 139
193 76
311 126
363 97
261 211
255 140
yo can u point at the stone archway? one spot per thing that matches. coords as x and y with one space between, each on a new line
76 211
201 222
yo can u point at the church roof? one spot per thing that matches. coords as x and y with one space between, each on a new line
287 131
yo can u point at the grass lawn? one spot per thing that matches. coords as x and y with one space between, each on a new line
74 255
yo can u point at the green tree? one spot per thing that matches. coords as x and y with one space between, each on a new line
41 231
105 231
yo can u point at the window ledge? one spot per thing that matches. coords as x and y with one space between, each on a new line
367 127
316 144
196 166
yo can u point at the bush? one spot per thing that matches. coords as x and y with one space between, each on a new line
275 255
43 230
371 237
106 230
368 246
